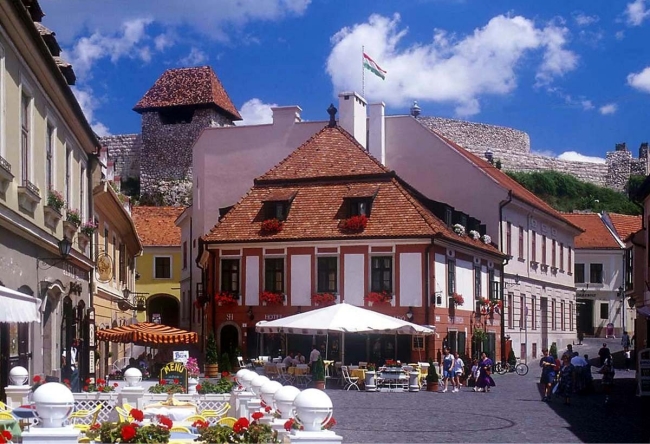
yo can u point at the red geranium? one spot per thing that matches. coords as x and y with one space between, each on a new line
165 421
88 380
162 382
240 425
85 388
128 432
115 384
272 298
379 297
257 415
268 409
225 374
271 226
5 436
176 381
200 424
289 424
198 387
101 381
354 224
136 414
95 426
329 424
37 378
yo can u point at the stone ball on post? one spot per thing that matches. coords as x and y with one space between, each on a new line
133 377
18 375
53 402
247 378
240 374
268 390
257 383
313 409
283 400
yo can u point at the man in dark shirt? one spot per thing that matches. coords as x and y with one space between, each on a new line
604 353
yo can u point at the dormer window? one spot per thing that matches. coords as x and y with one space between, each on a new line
358 199
278 210
360 207
449 216
277 204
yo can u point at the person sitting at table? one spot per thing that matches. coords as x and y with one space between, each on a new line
300 358
289 360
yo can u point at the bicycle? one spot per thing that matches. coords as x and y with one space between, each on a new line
504 367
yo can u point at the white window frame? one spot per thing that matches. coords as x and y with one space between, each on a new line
68 174
171 266
26 91
82 192
2 101
50 123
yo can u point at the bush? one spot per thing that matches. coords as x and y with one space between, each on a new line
432 376
224 363
211 352
553 350
319 370
223 385
512 359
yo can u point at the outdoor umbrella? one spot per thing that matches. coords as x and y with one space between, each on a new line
147 333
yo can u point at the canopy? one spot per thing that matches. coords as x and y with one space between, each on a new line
18 307
344 318
147 333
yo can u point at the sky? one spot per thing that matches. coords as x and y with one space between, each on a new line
574 75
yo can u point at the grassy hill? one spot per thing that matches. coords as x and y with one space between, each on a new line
566 193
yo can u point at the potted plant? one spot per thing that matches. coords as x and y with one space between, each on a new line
211 357
224 363
193 371
319 374
271 226
432 378
354 224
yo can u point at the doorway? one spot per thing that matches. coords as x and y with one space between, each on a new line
585 316
163 309
543 310
229 340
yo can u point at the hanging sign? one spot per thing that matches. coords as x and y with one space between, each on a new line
104 268
174 373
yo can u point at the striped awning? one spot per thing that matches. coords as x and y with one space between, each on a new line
147 333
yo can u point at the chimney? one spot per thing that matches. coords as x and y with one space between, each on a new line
377 131
286 115
352 115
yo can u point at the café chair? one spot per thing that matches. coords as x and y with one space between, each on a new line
4 407
363 364
123 415
228 421
181 429
283 375
348 381
83 419
214 415
127 407
6 415
194 418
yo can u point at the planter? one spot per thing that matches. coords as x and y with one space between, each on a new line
52 216
191 385
371 381
320 385
69 229
432 387
84 239
211 370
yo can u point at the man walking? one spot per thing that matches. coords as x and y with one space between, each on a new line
604 353
625 340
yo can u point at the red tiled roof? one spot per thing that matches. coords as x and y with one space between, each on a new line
318 207
595 235
625 224
518 190
327 153
188 86
156 226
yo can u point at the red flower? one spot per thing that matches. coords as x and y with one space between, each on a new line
354 224
128 432
176 381
101 381
240 425
268 409
163 382
136 414
66 381
272 298
95 426
165 421
225 374
330 423
257 415
6 434
37 379
115 384
288 425
271 226
198 387
200 424
85 388
88 380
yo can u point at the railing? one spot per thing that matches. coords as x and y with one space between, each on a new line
31 187
5 165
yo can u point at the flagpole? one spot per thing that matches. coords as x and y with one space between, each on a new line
363 74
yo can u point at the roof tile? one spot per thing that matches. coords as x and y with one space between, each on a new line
595 235
156 227
188 86
625 225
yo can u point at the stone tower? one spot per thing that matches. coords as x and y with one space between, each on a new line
174 111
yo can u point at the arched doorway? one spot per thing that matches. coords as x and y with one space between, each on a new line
229 340
164 309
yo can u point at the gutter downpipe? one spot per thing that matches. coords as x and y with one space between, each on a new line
191 292
502 204
427 286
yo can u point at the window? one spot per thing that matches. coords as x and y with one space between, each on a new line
68 155
327 274
448 216
82 186
25 127
114 256
274 274
523 312
511 308
561 256
629 269
570 252
562 318
604 310
570 315
382 274
494 292
184 255
280 210
543 250
533 321
105 241
451 277
230 275
580 273
359 207
596 273
49 146
162 267
553 315
521 242
553 254
533 246
509 239
477 282
122 262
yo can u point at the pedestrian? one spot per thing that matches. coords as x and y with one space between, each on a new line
547 363
447 369
581 336
604 353
568 352
607 382
473 379
567 380
313 358
625 340
485 381
628 358
458 369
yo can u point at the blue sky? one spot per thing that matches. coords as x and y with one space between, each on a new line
574 75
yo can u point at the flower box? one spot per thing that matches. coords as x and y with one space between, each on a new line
28 196
458 299
271 226
459 229
52 216
376 297
323 299
69 229
84 240
272 298
354 224
226 298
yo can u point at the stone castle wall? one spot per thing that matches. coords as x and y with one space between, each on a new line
512 148
124 150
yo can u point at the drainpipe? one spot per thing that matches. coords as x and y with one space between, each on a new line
502 204
427 302
191 265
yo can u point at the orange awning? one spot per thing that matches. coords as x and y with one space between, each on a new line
147 333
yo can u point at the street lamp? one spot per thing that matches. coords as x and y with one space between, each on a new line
621 293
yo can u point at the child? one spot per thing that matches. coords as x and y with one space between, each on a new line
567 379
475 374
628 358
459 369
608 378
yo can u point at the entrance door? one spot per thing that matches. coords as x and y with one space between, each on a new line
229 341
585 316
543 309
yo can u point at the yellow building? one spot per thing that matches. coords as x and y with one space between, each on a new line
159 267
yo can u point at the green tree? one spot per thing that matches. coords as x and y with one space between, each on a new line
211 352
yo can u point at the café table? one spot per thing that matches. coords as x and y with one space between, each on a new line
24 412
176 411
302 374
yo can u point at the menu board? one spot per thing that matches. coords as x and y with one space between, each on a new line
643 373
174 373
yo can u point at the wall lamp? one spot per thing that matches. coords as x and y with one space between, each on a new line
139 302
64 245
409 314
250 313
436 298
510 284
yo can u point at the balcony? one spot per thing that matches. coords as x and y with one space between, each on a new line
52 216
29 196
5 175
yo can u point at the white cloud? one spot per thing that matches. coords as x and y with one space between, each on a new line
583 19
164 41
256 112
194 58
577 157
610 108
620 35
448 69
636 12
71 18
88 104
640 80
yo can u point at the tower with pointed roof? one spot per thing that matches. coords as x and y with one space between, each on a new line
179 105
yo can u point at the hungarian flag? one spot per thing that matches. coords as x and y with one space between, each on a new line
371 65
